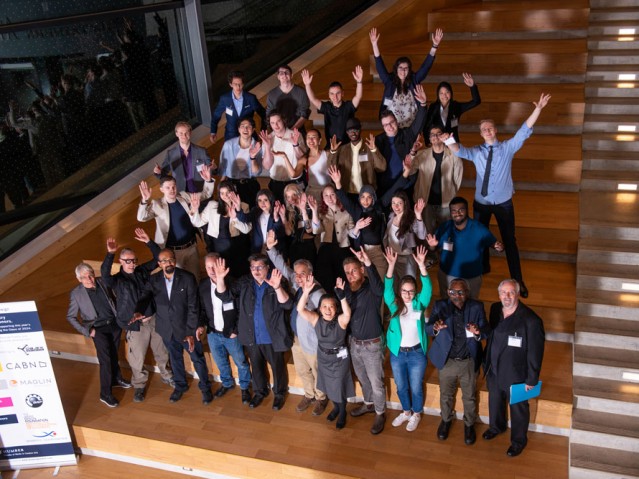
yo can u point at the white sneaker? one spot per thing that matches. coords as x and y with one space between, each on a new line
401 419
413 422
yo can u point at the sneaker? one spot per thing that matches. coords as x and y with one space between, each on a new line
121 383
139 395
169 382
413 422
401 419
304 404
109 401
320 407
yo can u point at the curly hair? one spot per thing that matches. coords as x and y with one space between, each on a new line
402 87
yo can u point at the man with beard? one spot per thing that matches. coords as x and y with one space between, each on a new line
461 241
174 291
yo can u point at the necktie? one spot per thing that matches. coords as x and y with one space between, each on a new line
484 185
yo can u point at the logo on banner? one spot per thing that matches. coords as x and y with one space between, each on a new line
45 434
33 422
6 402
23 365
26 349
8 419
33 400
14 383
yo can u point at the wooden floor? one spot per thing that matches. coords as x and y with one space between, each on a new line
258 440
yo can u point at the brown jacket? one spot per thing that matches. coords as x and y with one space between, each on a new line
343 158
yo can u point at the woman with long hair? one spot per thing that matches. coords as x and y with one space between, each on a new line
228 226
264 217
406 336
316 165
399 84
297 224
333 360
404 228
334 224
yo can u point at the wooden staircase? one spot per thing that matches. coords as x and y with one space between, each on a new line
604 441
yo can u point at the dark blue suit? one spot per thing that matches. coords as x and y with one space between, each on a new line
250 106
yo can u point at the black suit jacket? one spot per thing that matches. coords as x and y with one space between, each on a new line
510 364
176 317
229 310
455 110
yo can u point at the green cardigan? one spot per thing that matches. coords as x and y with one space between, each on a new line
420 303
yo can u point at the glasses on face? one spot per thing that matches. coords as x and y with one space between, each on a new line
167 261
435 135
397 203
129 261
258 268
457 292
390 123
457 211
409 292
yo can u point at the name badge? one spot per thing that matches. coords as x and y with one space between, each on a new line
362 157
342 353
454 122
448 246
469 334
514 341
229 111
199 167
227 306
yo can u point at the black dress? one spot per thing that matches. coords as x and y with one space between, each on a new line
334 376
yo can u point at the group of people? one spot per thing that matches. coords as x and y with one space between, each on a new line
339 232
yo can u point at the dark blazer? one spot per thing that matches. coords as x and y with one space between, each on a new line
128 287
250 106
403 143
257 240
515 365
440 347
229 311
79 301
176 317
173 165
274 313
455 110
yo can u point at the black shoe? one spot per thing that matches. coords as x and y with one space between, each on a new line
523 292
139 395
256 401
469 435
207 397
363 409
443 429
341 420
333 414
278 402
246 396
222 391
490 434
378 424
176 395
515 450
121 383
109 401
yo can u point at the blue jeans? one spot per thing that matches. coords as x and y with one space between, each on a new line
221 347
408 371
176 350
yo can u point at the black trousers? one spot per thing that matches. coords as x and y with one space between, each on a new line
107 343
498 402
259 355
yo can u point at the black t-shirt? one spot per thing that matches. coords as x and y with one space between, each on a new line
435 195
335 120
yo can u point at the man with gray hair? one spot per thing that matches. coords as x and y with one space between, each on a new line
458 325
514 353
97 308
304 347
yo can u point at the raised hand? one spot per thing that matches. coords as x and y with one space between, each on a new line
340 284
220 269
255 149
112 245
420 256
419 207
295 136
420 94
312 202
157 169
468 79
437 36
391 256
271 240
363 223
275 280
419 143
336 176
407 165
234 198
205 172
141 235
334 143
195 202
145 191
432 240
266 139
543 101
358 74
374 36
370 142
307 78
362 256
281 210
303 201
308 283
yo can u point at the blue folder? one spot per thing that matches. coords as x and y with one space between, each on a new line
518 392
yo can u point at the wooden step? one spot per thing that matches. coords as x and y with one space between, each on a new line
609 160
605 389
608 180
606 460
606 356
611 106
606 326
620 14
612 251
394 49
606 423
610 209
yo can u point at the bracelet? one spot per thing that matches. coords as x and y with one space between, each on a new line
435 46
296 146
359 82
253 159
412 153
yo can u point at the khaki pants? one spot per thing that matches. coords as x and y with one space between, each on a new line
138 343
306 368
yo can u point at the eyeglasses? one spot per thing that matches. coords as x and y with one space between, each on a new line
167 260
457 292
435 135
390 123
457 211
408 291
129 261
257 268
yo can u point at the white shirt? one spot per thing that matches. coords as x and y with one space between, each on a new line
218 319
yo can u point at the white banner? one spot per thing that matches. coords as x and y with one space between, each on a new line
33 428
